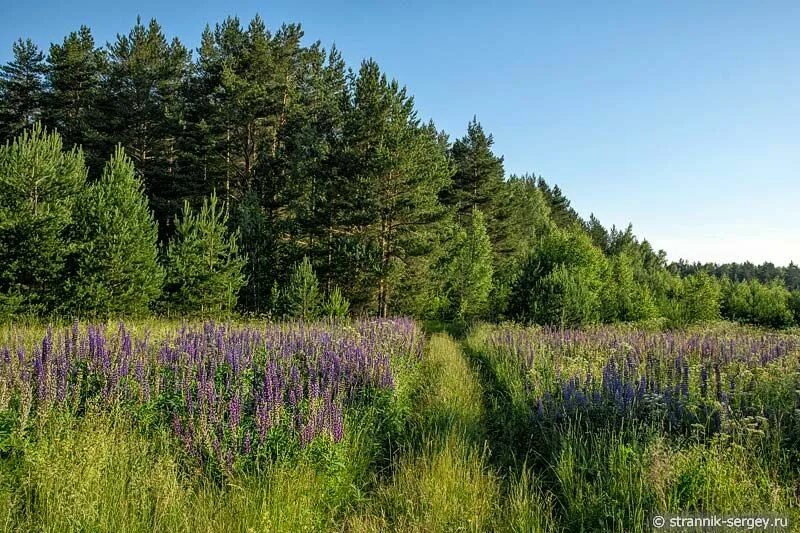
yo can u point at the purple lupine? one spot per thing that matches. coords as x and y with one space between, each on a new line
304 375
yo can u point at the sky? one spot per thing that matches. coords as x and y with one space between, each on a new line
682 118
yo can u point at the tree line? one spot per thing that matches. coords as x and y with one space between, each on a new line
262 175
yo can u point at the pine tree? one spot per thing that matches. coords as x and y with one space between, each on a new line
521 216
598 233
561 212
141 108
472 275
74 72
302 293
204 268
22 89
478 172
396 170
113 267
39 184
336 305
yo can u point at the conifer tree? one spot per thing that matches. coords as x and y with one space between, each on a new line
39 184
74 72
598 233
113 265
204 268
141 108
302 293
22 89
336 305
478 172
561 212
396 170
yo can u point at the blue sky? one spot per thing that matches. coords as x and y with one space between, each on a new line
681 117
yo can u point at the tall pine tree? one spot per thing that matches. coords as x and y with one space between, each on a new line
74 72
396 170
22 89
478 172
141 109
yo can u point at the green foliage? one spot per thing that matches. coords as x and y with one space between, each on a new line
623 298
561 212
560 282
695 298
398 168
302 294
204 268
113 262
336 306
140 104
478 174
520 215
39 184
74 73
21 89
471 282
314 159
757 303
794 305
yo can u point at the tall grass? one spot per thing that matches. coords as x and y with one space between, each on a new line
444 479
460 444
608 462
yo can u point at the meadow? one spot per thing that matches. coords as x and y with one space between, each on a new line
382 424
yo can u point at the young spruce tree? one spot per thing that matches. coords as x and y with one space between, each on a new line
204 268
114 266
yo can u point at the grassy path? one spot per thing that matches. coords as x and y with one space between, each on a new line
440 474
444 479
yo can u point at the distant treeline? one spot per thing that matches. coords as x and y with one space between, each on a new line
747 271
262 175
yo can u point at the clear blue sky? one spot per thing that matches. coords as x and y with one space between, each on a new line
681 117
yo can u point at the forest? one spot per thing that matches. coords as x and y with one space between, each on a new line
140 177
248 288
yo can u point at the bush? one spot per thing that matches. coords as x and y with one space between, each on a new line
472 271
695 298
757 303
622 297
560 282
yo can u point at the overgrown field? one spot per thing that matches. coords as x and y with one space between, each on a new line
375 426
619 423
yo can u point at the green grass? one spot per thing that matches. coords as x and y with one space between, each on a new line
595 478
452 450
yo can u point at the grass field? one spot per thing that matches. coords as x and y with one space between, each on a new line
378 426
